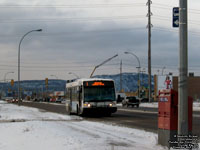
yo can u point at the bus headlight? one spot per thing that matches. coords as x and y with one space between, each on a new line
87 105
110 105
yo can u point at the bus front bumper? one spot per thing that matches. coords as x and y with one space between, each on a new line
100 110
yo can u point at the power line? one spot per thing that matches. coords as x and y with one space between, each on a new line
69 19
164 6
57 66
79 32
75 6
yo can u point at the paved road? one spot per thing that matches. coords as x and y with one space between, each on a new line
142 118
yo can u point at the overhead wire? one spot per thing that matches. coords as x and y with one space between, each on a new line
69 19
75 5
165 6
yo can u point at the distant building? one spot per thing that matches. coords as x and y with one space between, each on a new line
193 85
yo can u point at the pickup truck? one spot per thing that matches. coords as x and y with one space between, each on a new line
130 101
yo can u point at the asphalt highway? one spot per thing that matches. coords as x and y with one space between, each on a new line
141 118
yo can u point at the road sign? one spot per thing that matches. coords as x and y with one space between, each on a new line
175 23
12 82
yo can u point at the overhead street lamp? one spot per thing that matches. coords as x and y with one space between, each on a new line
54 76
6 75
102 64
19 95
138 71
74 75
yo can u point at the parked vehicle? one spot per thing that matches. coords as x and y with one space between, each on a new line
52 100
130 101
15 100
59 100
120 97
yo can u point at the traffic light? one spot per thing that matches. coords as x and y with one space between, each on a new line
12 82
46 82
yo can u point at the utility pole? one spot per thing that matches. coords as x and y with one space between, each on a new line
149 46
121 76
183 70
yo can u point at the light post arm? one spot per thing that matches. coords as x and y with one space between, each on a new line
93 71
19 95
6 75
102 64
135 57
138 71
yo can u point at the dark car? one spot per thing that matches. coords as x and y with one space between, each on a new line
130 101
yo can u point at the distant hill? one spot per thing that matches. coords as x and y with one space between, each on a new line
35 85
129 83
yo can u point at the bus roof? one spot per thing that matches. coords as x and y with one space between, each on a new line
79 82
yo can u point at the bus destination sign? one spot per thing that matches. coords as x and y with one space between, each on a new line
98 83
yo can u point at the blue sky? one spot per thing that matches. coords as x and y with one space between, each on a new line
77 35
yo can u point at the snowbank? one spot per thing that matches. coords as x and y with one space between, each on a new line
25 128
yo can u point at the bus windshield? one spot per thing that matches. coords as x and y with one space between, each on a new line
99 93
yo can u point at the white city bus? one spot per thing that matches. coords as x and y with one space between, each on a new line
91 95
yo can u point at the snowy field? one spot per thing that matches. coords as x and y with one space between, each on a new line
23 128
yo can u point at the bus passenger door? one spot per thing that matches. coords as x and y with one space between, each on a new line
80 98
70 98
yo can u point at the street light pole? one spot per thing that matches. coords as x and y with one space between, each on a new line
19 94
138 71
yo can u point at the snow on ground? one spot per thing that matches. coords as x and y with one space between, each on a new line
196 105
151 105
24 128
